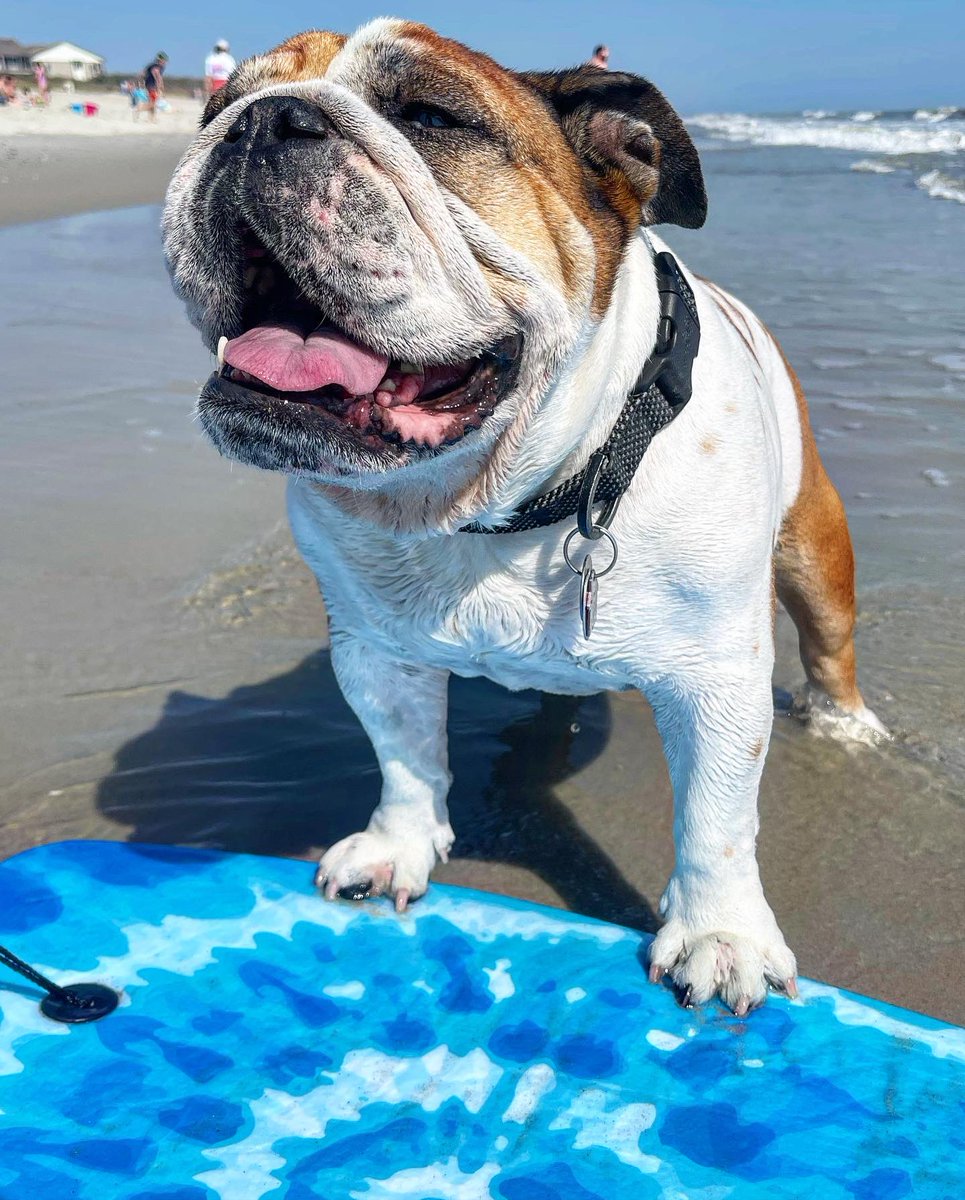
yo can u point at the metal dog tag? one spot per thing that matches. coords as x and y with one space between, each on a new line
588 590
589 578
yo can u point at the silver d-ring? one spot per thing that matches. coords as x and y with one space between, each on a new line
605 534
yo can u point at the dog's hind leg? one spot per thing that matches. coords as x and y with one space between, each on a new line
403 710
814 580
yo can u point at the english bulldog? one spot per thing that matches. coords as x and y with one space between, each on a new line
430 284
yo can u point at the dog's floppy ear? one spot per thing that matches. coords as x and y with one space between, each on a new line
623 127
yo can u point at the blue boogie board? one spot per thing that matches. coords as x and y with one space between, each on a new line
270 1044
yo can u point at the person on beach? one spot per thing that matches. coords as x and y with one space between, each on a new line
217 67
154 82
135 94
43 87
600 58
8 90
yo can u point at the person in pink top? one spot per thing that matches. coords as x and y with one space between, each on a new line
43 87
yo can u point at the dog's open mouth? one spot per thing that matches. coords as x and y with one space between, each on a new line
294 361
426 405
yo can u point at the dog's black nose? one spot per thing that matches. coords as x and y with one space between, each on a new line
276 119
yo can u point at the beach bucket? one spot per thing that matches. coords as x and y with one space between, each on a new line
77 108
90 110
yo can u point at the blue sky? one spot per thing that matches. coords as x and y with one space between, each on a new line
745 55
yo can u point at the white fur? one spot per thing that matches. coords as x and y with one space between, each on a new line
685 617
679 618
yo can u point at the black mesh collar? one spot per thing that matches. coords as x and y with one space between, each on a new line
660 393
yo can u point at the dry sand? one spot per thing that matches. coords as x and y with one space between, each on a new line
54 163
114 118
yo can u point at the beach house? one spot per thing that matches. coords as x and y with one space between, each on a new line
15 58
61 61
67 61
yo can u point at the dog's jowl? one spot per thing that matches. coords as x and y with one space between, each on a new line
433 294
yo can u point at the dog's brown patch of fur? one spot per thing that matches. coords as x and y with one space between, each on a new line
814 569
542 176
305 56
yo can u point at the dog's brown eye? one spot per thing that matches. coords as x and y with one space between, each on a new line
428 117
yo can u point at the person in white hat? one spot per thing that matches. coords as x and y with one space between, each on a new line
217 67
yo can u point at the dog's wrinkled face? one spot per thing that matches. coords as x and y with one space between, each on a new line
394 243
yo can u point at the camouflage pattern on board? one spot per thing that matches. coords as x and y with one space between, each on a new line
270 1044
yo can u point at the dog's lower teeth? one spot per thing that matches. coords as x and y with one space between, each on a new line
222 342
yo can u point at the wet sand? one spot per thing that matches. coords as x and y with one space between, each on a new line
44 176
169 679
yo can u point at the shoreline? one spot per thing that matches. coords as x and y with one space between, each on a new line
44 176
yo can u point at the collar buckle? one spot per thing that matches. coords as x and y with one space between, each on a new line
678 334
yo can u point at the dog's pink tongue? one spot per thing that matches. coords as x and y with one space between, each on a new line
282 357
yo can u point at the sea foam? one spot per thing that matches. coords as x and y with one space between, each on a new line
872 166
934 115
942 187
869 136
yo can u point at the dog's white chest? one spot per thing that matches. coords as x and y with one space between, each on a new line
496 626
499 626
462 606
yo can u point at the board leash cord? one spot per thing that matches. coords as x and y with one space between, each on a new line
75 1004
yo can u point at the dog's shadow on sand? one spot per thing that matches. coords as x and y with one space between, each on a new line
284 766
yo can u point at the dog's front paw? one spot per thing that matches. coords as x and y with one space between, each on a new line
738 967
374 863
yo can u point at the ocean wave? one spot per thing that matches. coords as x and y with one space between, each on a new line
947 113
950 362
865 116
871 136
818 114
934 115
873 166
942 187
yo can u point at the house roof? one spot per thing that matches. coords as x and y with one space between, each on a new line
64 52
11 48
